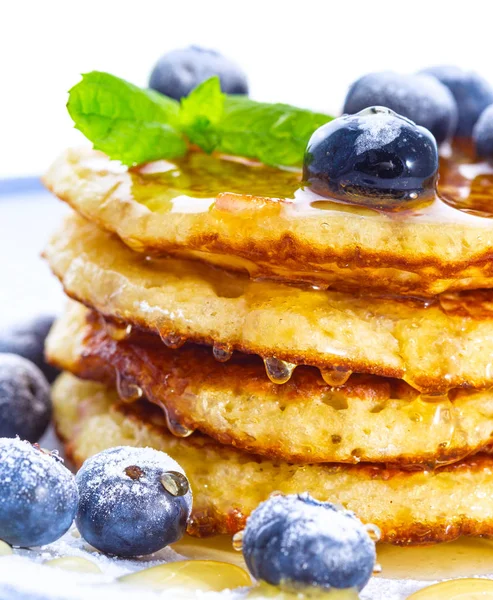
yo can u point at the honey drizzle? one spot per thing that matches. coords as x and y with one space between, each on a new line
127 391
197 182
336 377
278 371
172 340
175 427
118 331
238 541
222 352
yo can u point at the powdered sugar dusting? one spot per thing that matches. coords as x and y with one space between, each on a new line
110 465
376 132
36 467
23 574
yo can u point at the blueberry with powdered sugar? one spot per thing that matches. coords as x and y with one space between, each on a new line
375 158
482 134
133 501
297 542
472 94
420 98
39 496
25 402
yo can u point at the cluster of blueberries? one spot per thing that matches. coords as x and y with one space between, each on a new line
383 151
135 501
123 499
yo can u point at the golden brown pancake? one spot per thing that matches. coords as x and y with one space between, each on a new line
368 419
434 346
259 220
410 507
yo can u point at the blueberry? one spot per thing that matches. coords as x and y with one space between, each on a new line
295 541
39 495
133 501
25 402
483 134
179 71
27 340
420 98
375 158
472 94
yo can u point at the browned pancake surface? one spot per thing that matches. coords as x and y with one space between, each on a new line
260 220
435 345
305 420
410 507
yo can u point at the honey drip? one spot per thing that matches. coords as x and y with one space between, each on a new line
238 541
174 426
172 340
191 575
441 415
222 353
336 377
175 483
73 563
128 392
278 371
458 589
374 532
118 331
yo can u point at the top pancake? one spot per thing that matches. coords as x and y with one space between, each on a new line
248 217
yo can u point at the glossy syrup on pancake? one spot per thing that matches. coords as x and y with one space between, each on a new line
246 217
366 419
434 344
197 183
410 507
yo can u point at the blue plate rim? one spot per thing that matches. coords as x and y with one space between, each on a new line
21 185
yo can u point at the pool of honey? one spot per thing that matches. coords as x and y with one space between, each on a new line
465 557
199 182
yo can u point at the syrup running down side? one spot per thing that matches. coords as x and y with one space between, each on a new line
366 419
434 344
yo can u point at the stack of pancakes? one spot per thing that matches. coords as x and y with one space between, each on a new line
270 339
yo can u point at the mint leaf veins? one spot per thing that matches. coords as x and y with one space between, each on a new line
127 123
135 125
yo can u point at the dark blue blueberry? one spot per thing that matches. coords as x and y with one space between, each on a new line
420 98
179 71
25 402
295 541
472 94
39 496
27 340
133 501
483 134
375 158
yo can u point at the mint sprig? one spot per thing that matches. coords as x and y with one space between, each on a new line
135 125
201 113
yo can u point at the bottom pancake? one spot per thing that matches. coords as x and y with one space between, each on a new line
410 507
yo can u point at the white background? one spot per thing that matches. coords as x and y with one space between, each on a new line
304 52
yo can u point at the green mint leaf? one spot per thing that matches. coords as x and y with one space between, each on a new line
275 134
201 112
126 122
